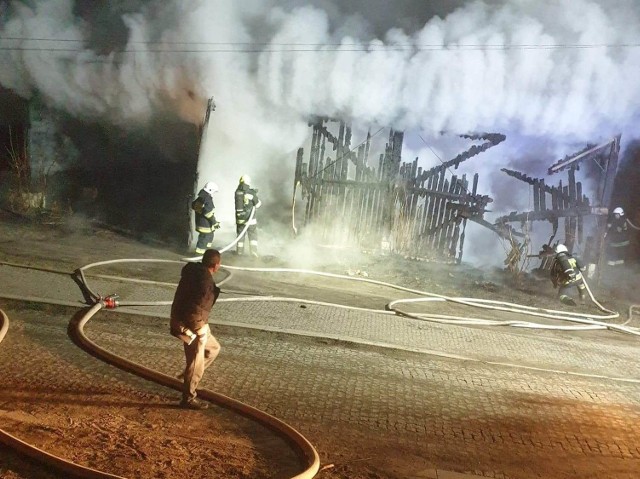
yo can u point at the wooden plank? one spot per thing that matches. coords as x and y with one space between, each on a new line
474 191
434 214
298 172
424 219
448 223
572 187
464 184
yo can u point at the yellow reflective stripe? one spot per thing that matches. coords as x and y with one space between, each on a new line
209 215
203 229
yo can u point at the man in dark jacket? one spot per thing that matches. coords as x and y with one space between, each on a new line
246 200
195 296
566 274
206 222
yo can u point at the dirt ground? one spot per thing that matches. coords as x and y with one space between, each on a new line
81 416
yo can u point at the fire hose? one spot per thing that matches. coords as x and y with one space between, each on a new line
587 322
112 301
67 467
303 447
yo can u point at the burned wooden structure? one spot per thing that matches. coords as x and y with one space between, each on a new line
566 201
396 206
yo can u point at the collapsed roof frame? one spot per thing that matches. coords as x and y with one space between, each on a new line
568 201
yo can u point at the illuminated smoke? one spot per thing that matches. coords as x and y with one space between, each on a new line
563 71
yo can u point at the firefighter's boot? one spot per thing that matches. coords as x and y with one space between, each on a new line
564 299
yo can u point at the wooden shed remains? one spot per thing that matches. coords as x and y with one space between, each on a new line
394 207
566 202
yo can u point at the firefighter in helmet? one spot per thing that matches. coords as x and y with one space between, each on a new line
246 200
566 273
617 237
206 222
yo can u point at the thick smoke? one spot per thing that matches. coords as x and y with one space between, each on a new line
563 71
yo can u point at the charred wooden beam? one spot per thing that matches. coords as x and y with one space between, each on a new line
492 139
546 215
581 156
299 163
462 197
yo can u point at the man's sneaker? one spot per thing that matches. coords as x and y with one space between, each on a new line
193 404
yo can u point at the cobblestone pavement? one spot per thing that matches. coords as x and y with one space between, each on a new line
104 411
496 421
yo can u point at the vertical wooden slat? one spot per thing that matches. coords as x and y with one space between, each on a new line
474 191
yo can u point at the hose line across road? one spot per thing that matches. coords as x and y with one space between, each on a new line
304 448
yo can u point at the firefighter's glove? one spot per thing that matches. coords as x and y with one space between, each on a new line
572 276
216 225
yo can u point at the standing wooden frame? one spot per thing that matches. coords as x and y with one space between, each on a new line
397 206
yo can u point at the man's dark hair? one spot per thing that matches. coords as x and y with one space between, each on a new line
211 257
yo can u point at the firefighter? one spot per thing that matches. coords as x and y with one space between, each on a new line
246 199
617 236
206 222
566 274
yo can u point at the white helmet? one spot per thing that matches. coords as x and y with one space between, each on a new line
245 179
560 248
618 211
210 187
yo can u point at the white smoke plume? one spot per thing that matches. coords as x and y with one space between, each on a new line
563 71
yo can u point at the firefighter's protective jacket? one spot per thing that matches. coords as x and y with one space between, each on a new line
618 232
195 296
206 220
246 198
565 270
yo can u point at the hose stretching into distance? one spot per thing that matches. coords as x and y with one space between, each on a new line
587 321
480 303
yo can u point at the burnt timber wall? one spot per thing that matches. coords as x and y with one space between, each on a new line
396 206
